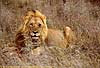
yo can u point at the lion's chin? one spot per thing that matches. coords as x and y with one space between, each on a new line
34 46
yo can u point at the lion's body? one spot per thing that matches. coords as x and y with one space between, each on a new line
56 38
60 38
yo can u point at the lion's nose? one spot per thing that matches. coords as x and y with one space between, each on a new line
35 32
35 26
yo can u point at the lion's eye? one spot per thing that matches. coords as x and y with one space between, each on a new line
39 25
31 24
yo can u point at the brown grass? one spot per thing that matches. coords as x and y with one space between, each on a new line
81 15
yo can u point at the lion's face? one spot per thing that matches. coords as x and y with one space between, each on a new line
34 29
35 25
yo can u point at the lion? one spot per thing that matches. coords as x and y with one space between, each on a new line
34 32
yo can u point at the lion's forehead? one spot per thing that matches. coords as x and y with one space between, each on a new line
36 19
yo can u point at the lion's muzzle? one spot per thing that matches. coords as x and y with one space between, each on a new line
35 39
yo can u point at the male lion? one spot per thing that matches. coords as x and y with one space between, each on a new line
34 32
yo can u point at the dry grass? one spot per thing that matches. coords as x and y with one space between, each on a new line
81 15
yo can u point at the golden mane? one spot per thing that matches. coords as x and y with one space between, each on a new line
23 29
29 15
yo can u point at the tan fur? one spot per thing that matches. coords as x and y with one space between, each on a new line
60 38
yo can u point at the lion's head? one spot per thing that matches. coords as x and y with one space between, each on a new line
33 30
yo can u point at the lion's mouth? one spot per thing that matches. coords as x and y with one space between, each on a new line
35 39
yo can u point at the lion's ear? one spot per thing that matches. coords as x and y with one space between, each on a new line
69 35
